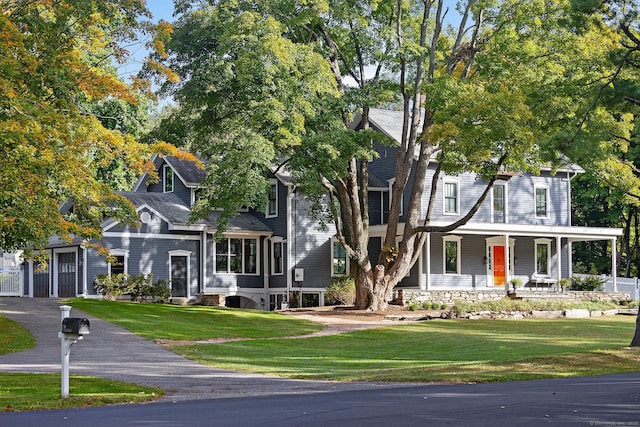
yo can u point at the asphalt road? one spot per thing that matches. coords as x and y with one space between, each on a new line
595 401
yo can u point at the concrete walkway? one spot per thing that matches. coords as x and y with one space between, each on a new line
114 353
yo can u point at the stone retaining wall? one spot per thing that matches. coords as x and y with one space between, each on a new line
449 297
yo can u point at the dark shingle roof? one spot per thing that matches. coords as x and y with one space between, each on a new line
173 209
187 170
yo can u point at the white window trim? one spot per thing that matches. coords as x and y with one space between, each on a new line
164 179
444 198
275 241
228 238
546 242
272 183
535 201
119 252
333 273
458 240
505 209
391 182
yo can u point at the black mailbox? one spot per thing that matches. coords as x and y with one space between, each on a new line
75 326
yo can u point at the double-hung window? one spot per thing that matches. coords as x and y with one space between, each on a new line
499 205
542 202
339 261
238 256
272 206
277 259
451 254
451 197
117 262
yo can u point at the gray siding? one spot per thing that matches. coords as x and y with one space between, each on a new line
311 246
147 255
179 188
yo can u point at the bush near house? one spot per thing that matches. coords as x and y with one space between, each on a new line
589 283
341 291
140 288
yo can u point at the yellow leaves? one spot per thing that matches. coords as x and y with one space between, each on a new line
166 71
166 149
162 35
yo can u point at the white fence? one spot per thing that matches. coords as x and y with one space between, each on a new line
624 284
10 282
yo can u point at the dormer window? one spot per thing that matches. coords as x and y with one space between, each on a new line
167 179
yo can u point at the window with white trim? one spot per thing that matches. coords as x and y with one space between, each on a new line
451 199
237 256
499 203
451 254
272 206
117 263
543 257
542 202
167 174
277 258
339 260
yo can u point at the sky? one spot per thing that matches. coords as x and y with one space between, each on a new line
163 10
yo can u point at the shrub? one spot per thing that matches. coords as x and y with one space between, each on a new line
589 283
112 286
139 288
341 291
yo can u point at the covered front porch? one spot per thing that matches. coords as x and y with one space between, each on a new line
480 256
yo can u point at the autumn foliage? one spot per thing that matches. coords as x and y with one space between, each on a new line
56 58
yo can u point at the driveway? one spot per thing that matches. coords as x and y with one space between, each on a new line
115 353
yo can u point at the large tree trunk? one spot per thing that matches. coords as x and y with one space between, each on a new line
636 337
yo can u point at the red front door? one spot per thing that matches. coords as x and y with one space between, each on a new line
499 271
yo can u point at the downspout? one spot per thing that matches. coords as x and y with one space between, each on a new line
203 261
614 263
265 274
84 272
570 178
290 225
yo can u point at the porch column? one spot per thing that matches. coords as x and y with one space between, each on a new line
559 256
614 262
569 258
427 254
507 261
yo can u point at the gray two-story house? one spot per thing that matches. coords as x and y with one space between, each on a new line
523 230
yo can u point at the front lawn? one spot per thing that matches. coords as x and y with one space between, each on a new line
447 350
444 350
14 337
192 323
21 392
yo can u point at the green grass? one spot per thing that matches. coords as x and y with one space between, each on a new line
453 351
21 392
192 323
14 337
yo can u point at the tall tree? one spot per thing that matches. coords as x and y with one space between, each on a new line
55 63
619 93
281 80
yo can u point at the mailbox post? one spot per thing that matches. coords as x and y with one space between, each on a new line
73 329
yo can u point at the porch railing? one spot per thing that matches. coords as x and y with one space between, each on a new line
624 284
